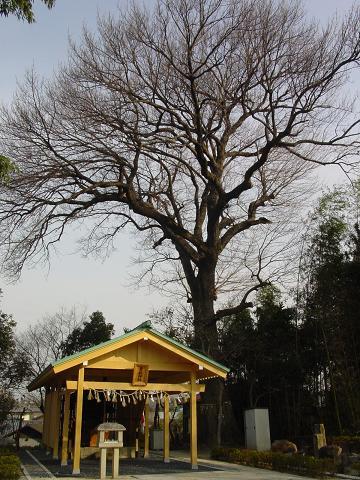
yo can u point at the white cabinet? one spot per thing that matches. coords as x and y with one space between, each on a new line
257 429
156 439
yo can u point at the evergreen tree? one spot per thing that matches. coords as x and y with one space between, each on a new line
13 366
262 352
91 333
331 304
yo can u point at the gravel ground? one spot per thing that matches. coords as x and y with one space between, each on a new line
90 467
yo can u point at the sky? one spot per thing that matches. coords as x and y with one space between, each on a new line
72 280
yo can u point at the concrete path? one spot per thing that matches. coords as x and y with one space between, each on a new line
36 470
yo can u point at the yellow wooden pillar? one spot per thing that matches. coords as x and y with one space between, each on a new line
65 429
56 424
45 418
52 419
166 430
78 421
193 423
48 419
146 429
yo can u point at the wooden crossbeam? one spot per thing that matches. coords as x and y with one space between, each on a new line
162 387
123 364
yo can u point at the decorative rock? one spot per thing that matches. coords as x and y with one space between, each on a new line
330 451
283 446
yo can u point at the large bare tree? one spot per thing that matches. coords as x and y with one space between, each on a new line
194 123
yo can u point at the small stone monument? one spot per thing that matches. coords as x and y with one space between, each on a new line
113 430
319 438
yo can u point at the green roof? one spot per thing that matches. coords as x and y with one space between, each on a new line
145 326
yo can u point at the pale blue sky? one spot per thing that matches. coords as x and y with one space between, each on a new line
73 280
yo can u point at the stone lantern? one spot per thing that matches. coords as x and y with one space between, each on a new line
110 436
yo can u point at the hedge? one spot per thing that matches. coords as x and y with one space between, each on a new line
303 465
349 443
8 450
9 465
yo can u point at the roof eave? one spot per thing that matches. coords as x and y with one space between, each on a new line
210 365
41 379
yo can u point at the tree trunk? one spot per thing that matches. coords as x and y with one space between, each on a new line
203 297
207 341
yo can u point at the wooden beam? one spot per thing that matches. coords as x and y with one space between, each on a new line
138 352
78 420
146 429
97 352
187 355
123 364
94 353
166 430
56 424
193 423
65 430
164 387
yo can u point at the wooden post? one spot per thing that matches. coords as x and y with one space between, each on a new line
49 407
65 429
56 423
45 418
102 456
48 419
146 429
115 463
166 430
52 423
78 421
193 423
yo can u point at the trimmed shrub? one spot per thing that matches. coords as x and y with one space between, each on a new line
349 443
355 466
303 465
9 466
8 450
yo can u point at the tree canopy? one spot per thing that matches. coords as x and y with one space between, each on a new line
91 333
330 303
194 125
23 9
14 365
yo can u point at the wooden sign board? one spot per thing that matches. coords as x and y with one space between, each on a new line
140 374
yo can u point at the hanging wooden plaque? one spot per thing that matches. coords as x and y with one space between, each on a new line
140 374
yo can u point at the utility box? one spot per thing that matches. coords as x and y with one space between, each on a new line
156 440
257 429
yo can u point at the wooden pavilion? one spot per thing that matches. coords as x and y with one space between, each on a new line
120 378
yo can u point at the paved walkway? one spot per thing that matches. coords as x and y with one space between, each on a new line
37 467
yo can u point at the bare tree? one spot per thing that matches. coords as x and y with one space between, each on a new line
41 343
195 124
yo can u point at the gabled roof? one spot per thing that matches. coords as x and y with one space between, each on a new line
133 335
